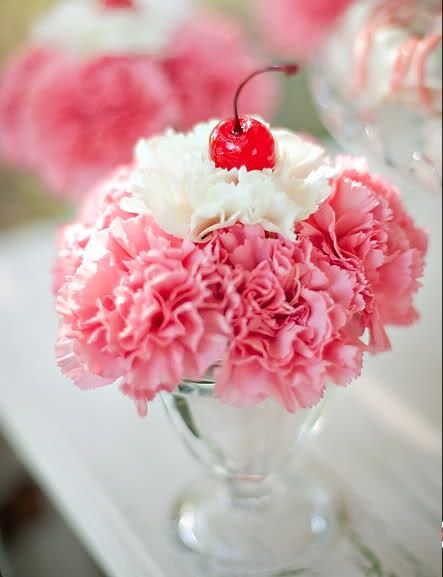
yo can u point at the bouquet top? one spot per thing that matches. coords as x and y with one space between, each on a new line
282 278
175 180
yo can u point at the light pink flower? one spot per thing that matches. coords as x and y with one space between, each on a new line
207 59
97 211
17 82
137 308
71 241
85 117
295 28
104 203
288 326
363 227
278 318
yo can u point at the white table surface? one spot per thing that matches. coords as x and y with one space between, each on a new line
114 476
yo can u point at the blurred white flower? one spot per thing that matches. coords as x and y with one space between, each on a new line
86 27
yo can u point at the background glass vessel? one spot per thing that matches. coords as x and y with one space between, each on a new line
377 84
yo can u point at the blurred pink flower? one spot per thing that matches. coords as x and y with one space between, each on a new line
296 28
85 118
75 120
206 61
17 82
363 227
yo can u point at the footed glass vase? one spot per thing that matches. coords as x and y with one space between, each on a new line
257 511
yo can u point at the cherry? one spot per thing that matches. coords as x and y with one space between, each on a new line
252 146
118 3
243 140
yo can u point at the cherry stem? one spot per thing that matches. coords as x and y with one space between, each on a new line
288 69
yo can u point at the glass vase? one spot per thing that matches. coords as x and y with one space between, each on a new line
257 511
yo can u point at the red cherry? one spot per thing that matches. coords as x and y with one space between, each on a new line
118 3
243 140
253 146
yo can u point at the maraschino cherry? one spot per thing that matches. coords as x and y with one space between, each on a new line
243 140
118 3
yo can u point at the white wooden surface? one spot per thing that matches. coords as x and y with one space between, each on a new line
114 475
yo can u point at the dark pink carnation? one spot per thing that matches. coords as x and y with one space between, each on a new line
85 117
289 322
208 58
363 227
295 28
17 82
138 308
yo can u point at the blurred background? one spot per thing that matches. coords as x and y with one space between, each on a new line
34 540
23 199
37 541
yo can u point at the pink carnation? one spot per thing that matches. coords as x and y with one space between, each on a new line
278 318
85 118
97 211
103 204
208 58
71 241
16 84
295 28
138 308
288 329
363 227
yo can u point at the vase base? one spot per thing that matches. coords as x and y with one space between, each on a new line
283 532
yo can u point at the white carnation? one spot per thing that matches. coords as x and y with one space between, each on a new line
175 180
85 27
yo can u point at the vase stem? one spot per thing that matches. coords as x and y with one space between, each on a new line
248 491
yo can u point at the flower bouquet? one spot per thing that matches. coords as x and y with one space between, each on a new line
97 75
237 270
